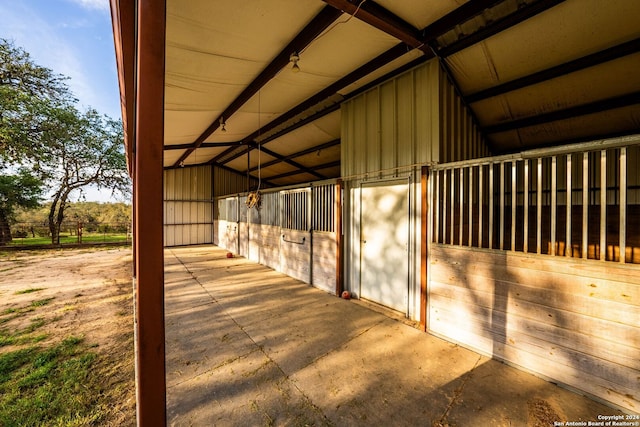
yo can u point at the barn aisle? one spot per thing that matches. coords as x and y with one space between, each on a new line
246 345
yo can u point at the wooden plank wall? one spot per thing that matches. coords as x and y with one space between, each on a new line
573 321
295 254
324 261
264 245
291 255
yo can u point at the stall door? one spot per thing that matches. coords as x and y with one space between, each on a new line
384 240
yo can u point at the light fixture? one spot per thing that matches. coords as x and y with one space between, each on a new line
222 123
294 58
182 164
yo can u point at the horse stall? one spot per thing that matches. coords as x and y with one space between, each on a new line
291 230
534 259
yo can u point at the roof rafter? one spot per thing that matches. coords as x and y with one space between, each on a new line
298 172
568 113
522 14
388 56
606 55
382 19
321 22
299 154
442 25
203 145
293 163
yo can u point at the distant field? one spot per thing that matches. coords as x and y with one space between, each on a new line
87 238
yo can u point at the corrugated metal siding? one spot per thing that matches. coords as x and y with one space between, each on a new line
226 182
389 131
460 138
188 206
392 125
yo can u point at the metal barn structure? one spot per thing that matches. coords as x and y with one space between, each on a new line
472 165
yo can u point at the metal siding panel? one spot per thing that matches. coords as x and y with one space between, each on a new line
185 192
372 119
387 126
346 122
360 135
405 123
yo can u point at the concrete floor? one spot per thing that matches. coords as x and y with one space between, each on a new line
247 346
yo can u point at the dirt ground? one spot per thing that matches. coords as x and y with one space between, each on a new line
91 297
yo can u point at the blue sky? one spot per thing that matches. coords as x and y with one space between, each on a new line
73 38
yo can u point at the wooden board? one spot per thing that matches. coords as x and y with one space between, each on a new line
574 321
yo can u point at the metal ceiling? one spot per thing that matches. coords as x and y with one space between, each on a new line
533 72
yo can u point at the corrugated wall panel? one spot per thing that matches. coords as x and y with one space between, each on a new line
460 138
372 119
188 206
397 124
387 153
226 182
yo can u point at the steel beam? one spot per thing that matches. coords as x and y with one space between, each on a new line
567 113
148 190
320 23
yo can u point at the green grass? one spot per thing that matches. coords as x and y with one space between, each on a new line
41 302
87 238
50 386
23 336
28 291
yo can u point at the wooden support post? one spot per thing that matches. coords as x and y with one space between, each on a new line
149 140
337 212
424 244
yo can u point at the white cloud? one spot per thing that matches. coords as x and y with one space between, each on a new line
29 29
39 38
93 4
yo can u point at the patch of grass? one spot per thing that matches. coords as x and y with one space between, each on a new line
23 336
50 386
41 302
9 311
28 291
86 238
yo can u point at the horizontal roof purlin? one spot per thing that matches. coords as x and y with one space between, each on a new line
499 91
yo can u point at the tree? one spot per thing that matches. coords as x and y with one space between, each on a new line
41 128
21 190
81 150
28 93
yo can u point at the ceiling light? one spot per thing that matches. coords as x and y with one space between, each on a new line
294 58
222 123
